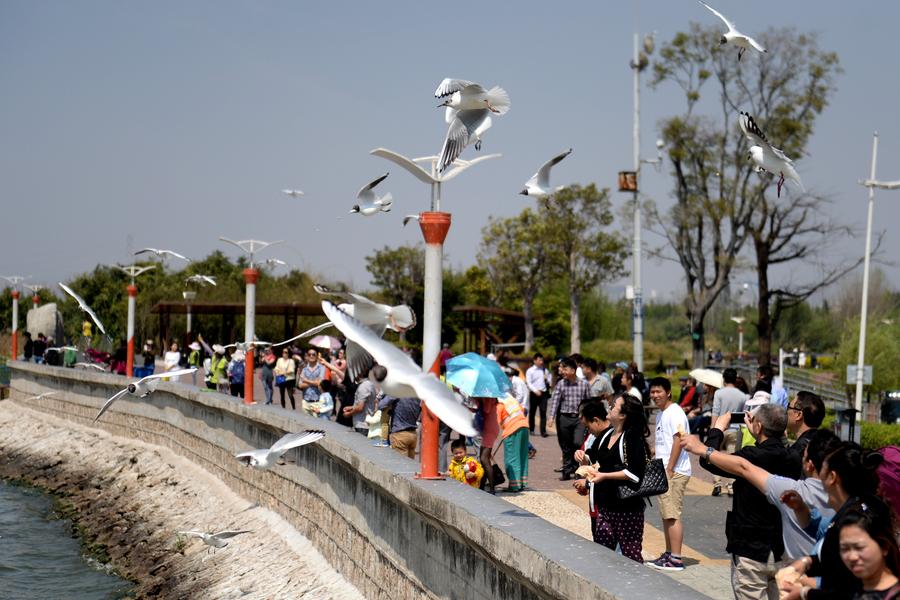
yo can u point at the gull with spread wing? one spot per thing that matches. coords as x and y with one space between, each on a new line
368 203
143 387
733 36
467 95
84 306
292 193
162 253
201 279
266 458
215 540
539 184
767 157
404 378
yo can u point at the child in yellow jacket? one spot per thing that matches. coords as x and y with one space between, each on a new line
465 469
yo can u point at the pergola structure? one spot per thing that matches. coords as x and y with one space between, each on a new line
291 312
484 325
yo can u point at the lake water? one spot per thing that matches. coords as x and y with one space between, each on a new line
39 557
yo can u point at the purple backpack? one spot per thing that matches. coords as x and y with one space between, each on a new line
889 474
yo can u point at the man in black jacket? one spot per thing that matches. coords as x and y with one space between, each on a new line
753 526
804 417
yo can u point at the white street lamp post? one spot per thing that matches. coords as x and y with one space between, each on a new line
870 183
15 280
434 225
189 296
35 297
251 276
133 271
740 322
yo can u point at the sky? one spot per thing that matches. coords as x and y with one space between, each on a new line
168 124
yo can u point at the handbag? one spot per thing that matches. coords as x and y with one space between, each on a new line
653 483
280 379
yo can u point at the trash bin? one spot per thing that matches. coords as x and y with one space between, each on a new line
843 417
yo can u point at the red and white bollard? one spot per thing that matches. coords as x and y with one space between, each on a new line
15 325
129 360
435 226
251 276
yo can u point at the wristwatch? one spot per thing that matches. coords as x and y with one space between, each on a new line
709 450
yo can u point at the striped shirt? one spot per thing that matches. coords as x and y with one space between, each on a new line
568 395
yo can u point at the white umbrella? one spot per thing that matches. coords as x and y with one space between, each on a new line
708 377
325 342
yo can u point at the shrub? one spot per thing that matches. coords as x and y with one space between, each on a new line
879 435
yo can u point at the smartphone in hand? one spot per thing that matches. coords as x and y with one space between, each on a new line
737 417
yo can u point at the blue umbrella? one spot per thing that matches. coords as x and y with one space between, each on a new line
477 376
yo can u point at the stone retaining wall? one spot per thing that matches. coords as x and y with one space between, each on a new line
393 536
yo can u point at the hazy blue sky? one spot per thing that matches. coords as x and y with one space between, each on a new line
178 122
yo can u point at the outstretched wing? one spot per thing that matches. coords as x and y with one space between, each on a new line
543 174
196 534
450 85
752 131
224 535
437 396
147 250
109 403
295 440
728 23
84 306
755 44
307 333
358 360
175 254
366 193
176 373
459 134
348 297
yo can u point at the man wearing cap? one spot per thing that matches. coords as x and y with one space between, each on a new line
728 399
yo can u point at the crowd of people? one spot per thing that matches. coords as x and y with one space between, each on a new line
809 516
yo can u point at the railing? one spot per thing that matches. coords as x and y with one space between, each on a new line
824 383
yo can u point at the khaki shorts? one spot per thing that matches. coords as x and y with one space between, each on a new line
671 503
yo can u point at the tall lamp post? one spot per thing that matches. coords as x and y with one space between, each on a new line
189 296
434 225
15 280
132 271
251 276
638 63
740 323
870 183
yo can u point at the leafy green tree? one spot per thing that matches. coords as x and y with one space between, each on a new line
720 200
514 255
398 272
581 248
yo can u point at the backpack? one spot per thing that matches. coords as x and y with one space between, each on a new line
889 474
237 372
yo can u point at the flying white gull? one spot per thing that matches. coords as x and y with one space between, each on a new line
466 95
266 458
40 396
162 253
143 387
274 262
243 346
369 203
201 279
767 157
94 366
215 540
733 36
292 193
375 316
539 184
404 378
83 305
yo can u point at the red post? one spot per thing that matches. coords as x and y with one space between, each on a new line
251 276
435 226
15 325
129 360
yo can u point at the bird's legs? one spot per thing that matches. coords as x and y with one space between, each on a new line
780 184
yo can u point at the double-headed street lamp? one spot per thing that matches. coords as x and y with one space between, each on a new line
870 183
251 276
435 225
132 271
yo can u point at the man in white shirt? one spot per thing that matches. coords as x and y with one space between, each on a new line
671 423
536 378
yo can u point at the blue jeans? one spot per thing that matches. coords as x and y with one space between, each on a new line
267 387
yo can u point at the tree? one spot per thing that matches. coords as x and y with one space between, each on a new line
720 200
398 272
513 253
581 249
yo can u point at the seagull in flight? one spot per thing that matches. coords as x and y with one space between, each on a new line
733 36
266 458
40 396
292 193
84 306
370 204
244 346
201 279
215 540
162 253
94 366
404 378
466 95
767 157
539 184
273 262
143 387
409 218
